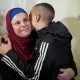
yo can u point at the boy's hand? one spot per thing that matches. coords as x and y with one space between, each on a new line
67 74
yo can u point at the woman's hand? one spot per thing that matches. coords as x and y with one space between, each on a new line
3 38
5 46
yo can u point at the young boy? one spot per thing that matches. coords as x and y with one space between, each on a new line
53 46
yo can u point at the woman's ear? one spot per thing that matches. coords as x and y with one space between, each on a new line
38 17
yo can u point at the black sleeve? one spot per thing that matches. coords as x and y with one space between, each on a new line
63 57
0 60
0 57
24 68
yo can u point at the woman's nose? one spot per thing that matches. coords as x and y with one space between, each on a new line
23 24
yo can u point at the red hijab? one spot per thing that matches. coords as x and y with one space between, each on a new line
23 47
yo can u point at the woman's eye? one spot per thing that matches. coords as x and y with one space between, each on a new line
25 20
17 22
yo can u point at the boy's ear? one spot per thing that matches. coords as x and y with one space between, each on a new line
38 17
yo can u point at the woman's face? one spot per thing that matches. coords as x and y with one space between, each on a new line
21 25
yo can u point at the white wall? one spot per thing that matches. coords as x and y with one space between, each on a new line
63 8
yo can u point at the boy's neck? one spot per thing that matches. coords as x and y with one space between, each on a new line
41 26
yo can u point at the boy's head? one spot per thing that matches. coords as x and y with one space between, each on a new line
41 14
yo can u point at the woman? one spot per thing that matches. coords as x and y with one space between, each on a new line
22 39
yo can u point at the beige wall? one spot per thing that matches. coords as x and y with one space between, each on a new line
73 25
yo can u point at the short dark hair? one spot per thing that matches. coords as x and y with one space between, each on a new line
49 8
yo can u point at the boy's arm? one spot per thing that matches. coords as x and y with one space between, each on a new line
70 72
64 59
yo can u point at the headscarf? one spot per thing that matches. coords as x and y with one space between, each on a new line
23 47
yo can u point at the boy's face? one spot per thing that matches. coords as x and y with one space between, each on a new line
33 19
